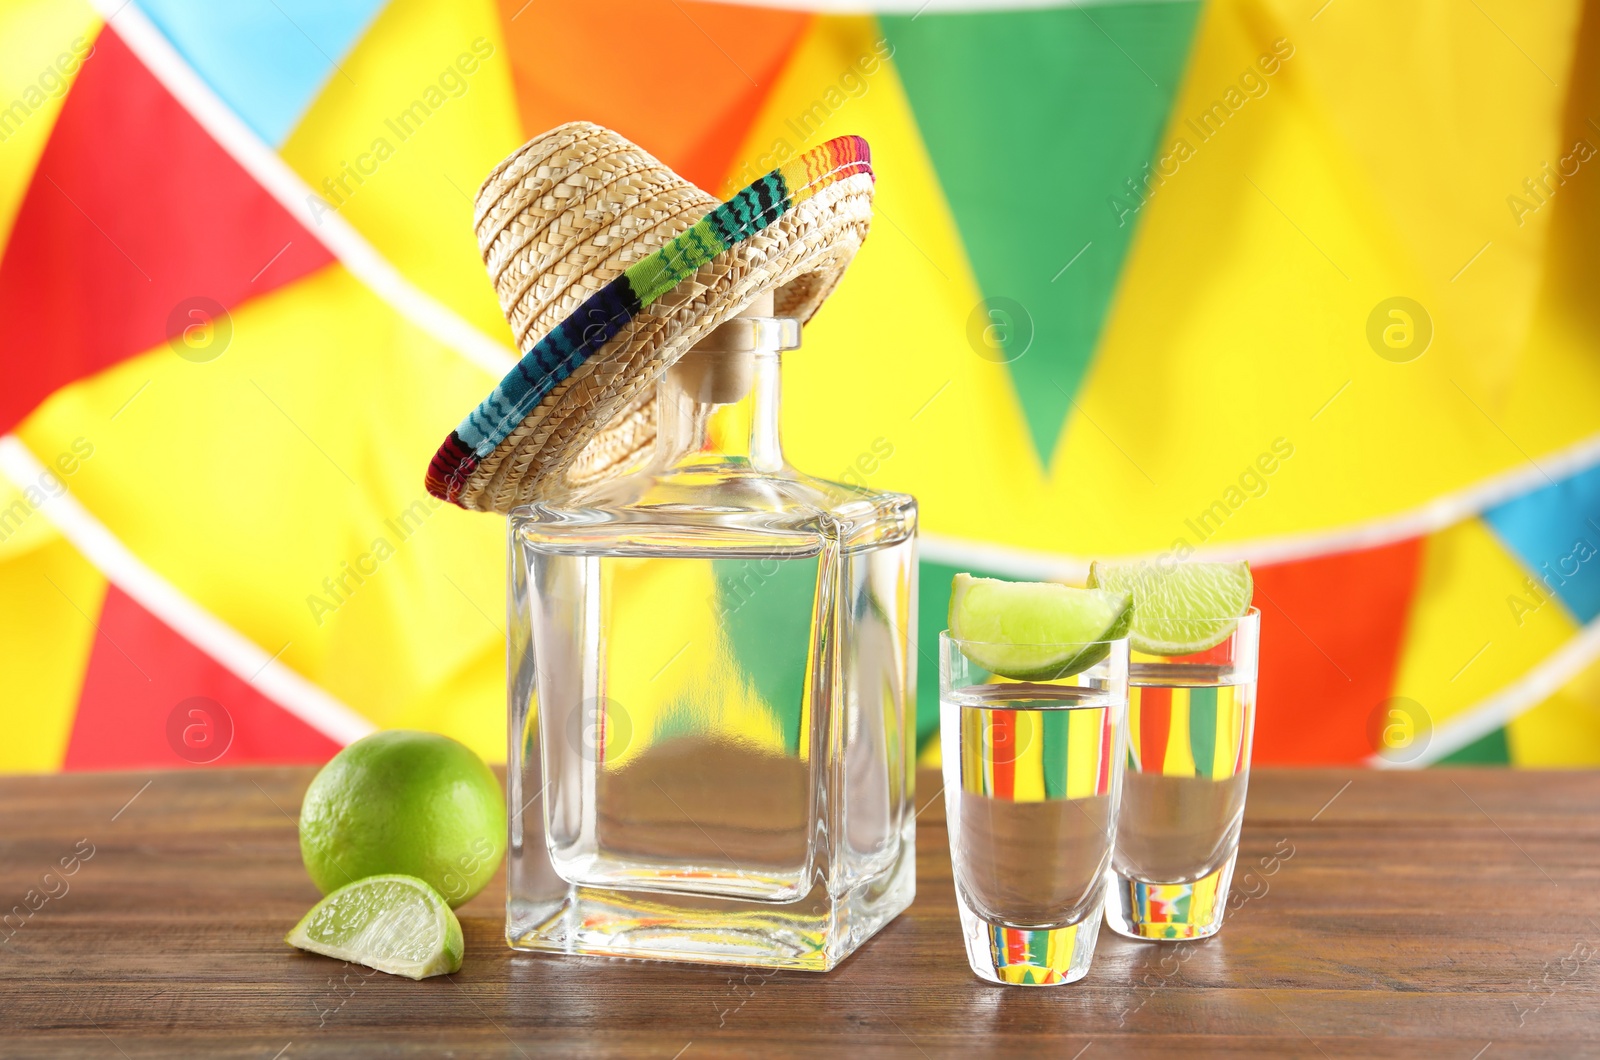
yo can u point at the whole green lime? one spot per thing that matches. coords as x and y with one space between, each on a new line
407 803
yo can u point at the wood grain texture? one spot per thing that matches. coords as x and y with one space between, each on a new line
1418 914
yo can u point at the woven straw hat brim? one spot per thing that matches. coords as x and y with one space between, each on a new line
583 410
561 223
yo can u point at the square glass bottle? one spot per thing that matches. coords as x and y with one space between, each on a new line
712 692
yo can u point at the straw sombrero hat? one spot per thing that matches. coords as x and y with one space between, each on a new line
610 267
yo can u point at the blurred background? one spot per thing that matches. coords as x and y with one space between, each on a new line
1305 282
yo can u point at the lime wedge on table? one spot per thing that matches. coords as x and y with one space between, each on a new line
1182 609
1034 631
396 924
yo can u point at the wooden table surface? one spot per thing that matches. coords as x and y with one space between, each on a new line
1448 913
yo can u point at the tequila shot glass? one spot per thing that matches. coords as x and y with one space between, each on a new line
1032 775
1190 721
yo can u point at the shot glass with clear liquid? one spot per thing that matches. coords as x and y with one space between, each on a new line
1032 775
1190 722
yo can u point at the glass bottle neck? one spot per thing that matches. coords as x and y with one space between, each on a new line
722 405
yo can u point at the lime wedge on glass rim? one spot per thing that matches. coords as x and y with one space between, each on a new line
396 924
1181 609
1034 631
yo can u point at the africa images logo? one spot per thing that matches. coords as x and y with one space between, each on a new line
199 730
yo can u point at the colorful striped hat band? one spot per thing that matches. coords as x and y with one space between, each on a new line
605 315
